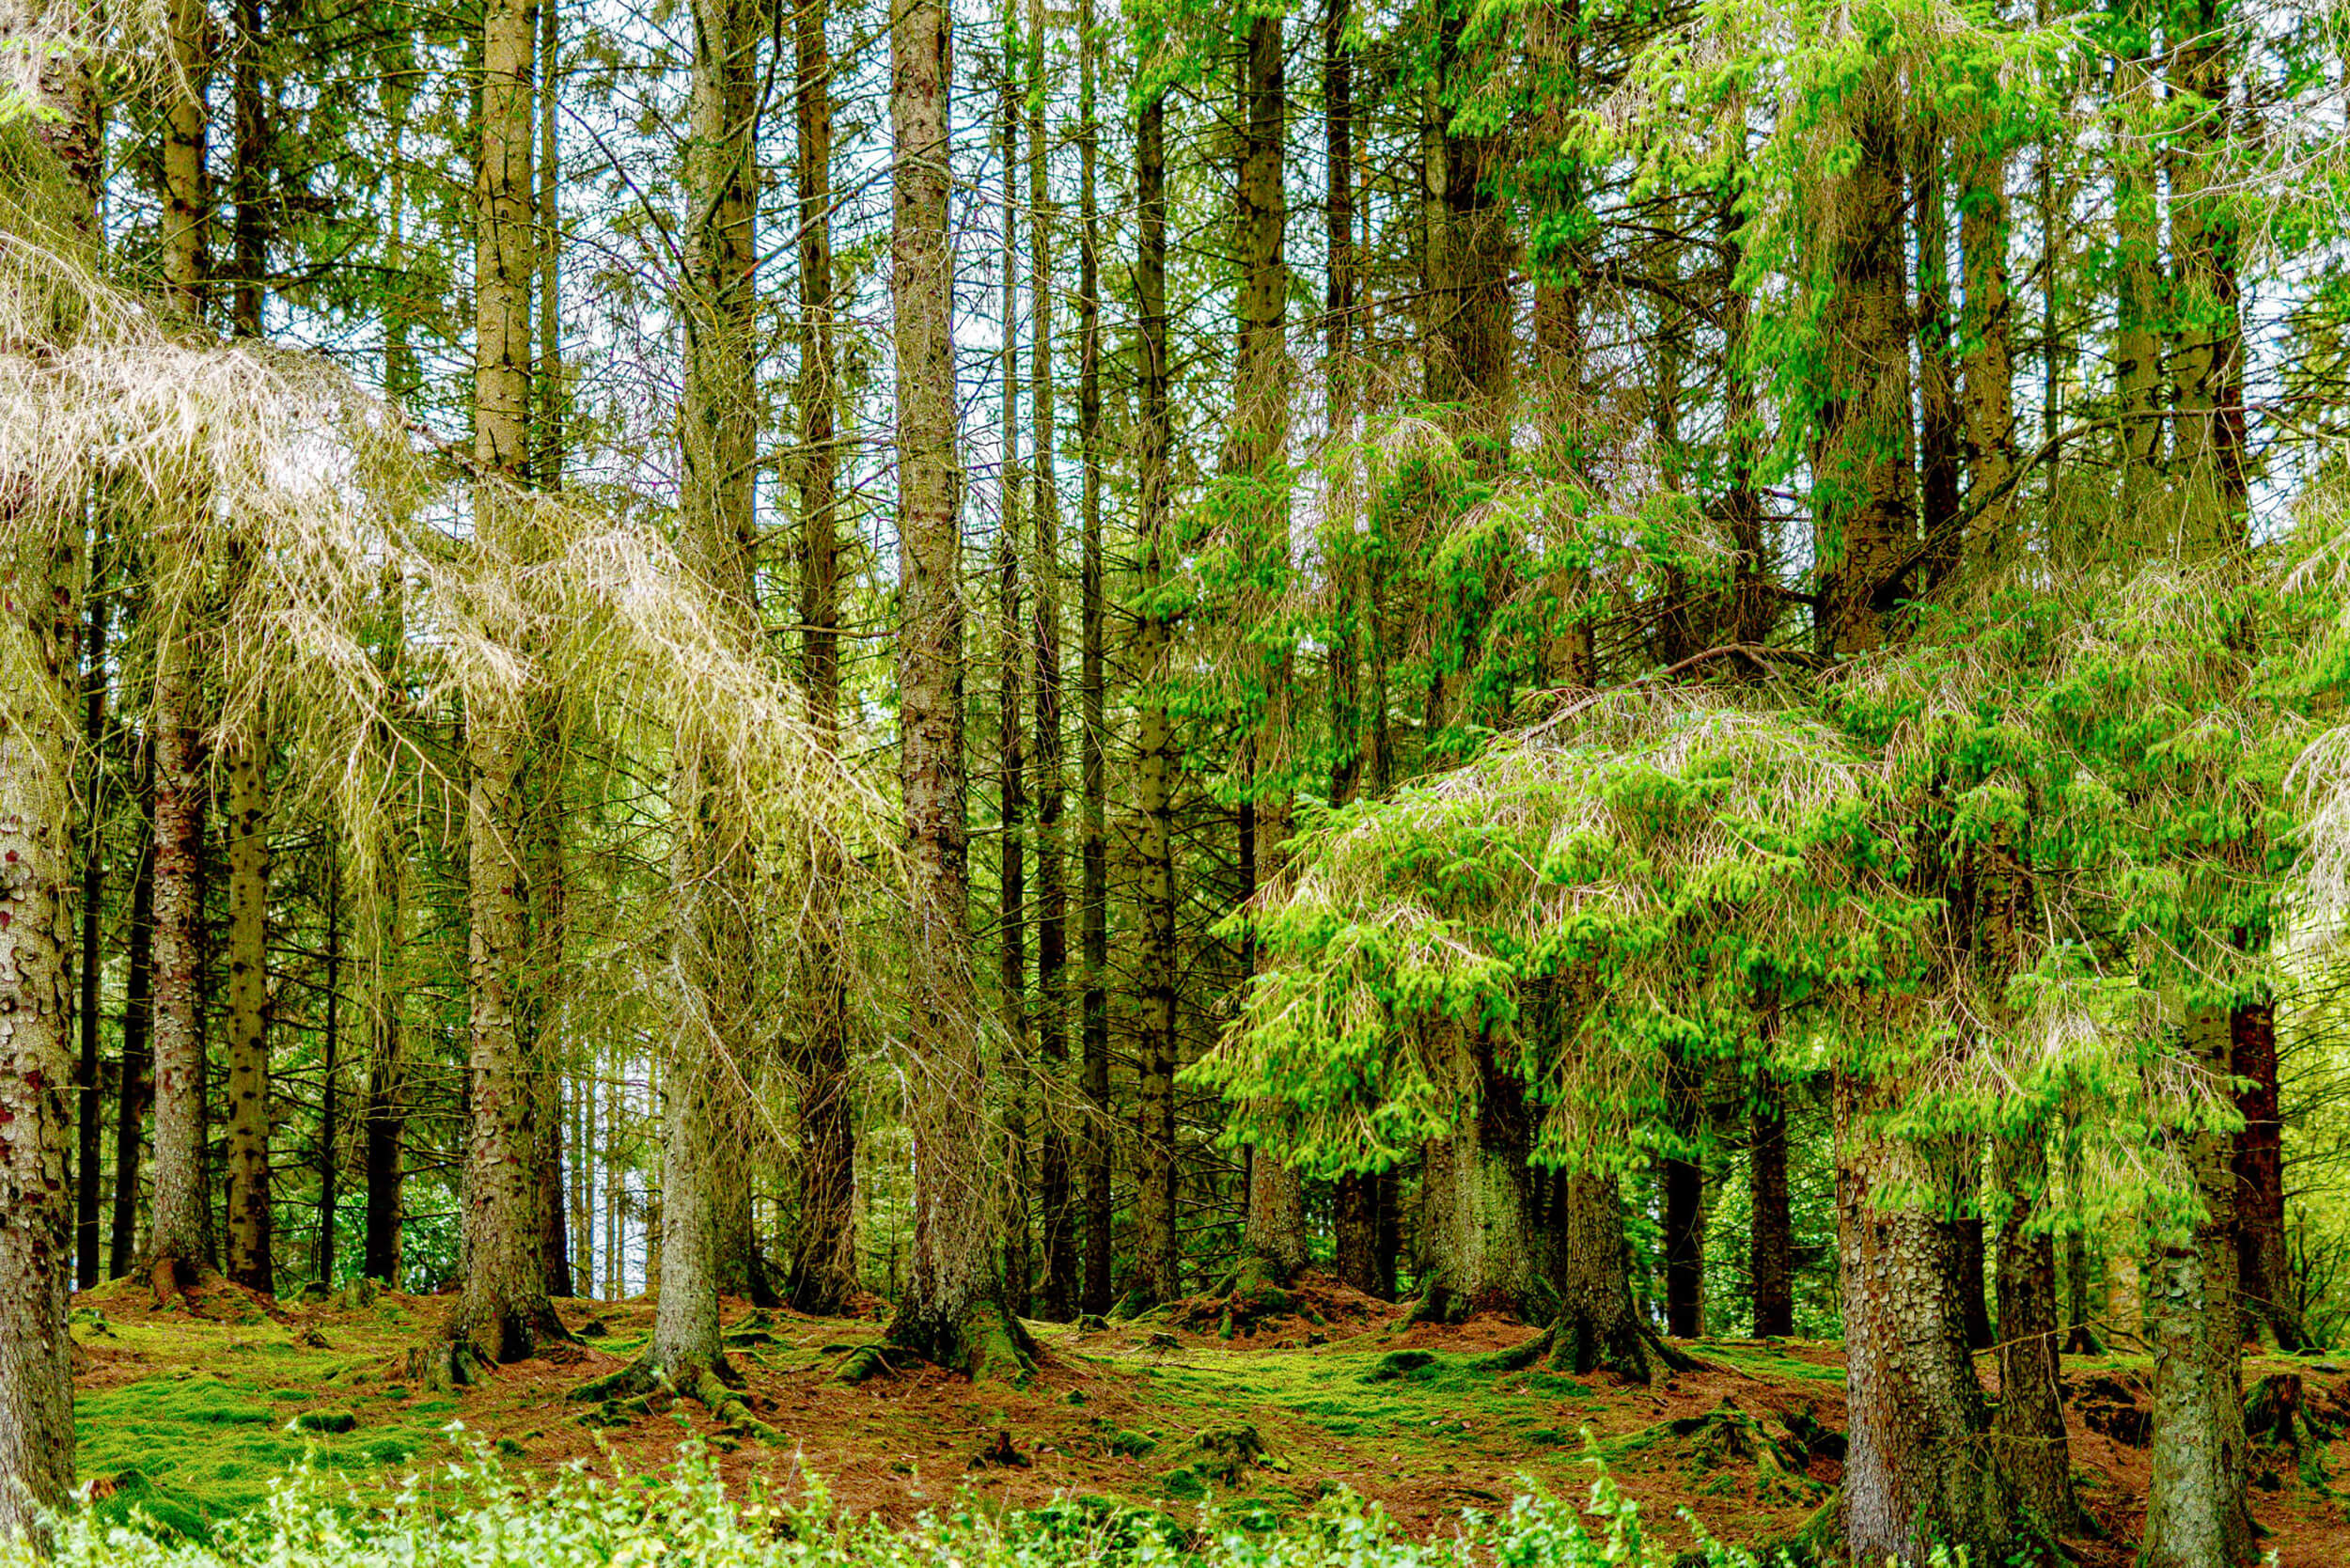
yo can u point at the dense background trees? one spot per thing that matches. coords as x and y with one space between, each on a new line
1699 647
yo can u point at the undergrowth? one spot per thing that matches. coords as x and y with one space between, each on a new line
475 1513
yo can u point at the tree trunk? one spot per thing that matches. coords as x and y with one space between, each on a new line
1940 422
251 1259
705 1195
1917 1472
1154 795
1598 1327
1481 1248
952 1310
1014 653
1771 1243
382 1122
89 1105
1093 898
1684 1209
1987 367
2028 1426
2263 1276
1357 1224
1059 1235
2196 1512
2138 239
1349 576
41 578
178 1248
330 1071
822 1274
502 1313
136 1090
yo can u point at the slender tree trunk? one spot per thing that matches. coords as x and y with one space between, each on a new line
2029 1427
251 1252
1059 1227
2262 1274
503 1313
382 1122
1012 637
135 1091
1771 1243
1348 574
1987 367
330 1067
1154 795
177 1248
41 578
823 1271
1940 421
89 1105
952 1310
711 881
1097 1146
2137 234
1684 1209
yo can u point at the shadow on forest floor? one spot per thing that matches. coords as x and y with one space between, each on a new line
189 1413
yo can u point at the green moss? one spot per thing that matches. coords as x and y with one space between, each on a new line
326 1420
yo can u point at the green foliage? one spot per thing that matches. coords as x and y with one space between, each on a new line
476 1513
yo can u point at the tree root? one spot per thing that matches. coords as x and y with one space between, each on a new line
713 1384
987 1344
447 1364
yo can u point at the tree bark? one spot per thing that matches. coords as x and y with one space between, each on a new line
1917 1472
2196 1512
502 1313
251 1250
89 1103
178 1248
822 1274
952 1310
1481 1248
1096 1148
1940 423
2028 1426
1987 366
42 579
1014 653
135 1091
1160 1268
1684 1209
329 1071
1598 1327
1771 1242
2263 1276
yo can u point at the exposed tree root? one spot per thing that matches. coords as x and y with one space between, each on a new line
987 1344
714 1383
170 1279
1439 1302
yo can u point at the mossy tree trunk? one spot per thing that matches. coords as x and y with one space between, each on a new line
1096 1146
1598 1328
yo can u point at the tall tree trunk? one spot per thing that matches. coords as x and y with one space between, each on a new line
1348 567
382 1119
824 1246
1275 1227
41 578
89 1105
711 884
1011 640
1771 1243
1094 898
1057 1227
502 1313
1154 793
952 1310
330 1071
136 1090
177 1248
2138 239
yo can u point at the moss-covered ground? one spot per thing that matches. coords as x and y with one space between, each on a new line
190 1412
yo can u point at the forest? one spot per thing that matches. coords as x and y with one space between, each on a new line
1501 782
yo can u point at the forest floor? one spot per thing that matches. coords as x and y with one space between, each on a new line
190 1411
